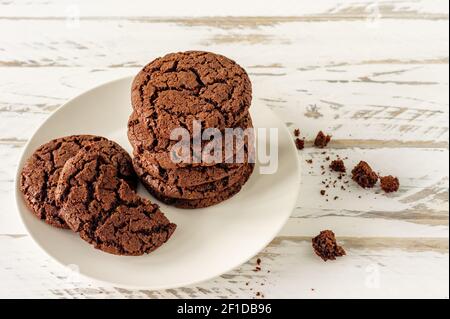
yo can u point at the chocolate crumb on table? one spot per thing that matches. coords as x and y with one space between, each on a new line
364 175
259 294
258 265
325 246
322 140
322 192
389 183
297 132
309 161
299 143
338 166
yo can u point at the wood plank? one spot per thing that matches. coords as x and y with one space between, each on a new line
366 115
198 8
99 44
290 269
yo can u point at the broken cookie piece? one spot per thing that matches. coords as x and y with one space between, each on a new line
364 175
322 140
389 183
338 166
300 144
325 246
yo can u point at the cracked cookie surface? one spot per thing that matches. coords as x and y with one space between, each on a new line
178 88
39 176
106 212
158 151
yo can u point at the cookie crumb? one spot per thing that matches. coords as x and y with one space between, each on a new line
364 175
322 192
300 144
322 140
338 166
297 132
389 183
258 265
309 161
325 246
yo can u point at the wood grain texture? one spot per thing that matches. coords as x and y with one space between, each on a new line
378 268
284 10
372 74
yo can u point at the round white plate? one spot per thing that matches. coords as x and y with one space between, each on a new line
207 242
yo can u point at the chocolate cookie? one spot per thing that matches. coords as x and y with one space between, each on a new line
185 176
101 206
174 90
159 151
41 171
196 192
203 202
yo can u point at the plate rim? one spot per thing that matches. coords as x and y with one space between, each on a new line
18 197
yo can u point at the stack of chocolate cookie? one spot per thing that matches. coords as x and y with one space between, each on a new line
87 183
179 91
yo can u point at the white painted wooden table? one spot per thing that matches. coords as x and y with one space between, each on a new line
373 74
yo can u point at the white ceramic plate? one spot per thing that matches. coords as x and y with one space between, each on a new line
207 242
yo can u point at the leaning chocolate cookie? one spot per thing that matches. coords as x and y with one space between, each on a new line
41 171
217 198
175 90
202 191
101 206
185 176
